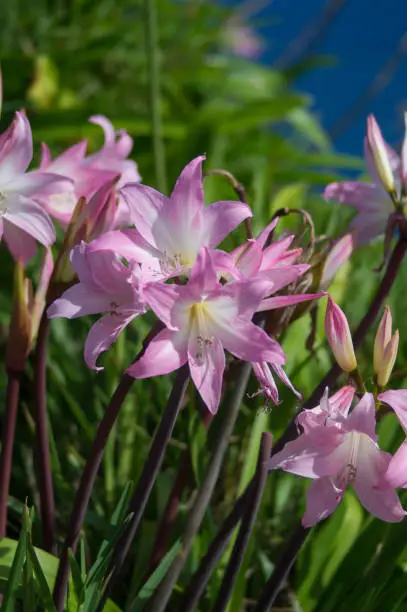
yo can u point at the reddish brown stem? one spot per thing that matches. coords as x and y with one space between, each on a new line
43 459
7 443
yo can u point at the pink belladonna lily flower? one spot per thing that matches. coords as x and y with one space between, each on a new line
112 157
370 199
105 285
86 180
338 453
202 319
22 220
176 228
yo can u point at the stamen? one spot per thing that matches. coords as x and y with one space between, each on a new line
3 208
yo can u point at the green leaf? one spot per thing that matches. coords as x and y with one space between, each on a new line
42 583
78 583
156 577
15 566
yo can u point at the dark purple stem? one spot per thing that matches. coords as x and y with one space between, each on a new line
43 458
7 443
172 507
281 571
148 477
89 476
246 527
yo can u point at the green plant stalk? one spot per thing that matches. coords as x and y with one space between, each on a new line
153 62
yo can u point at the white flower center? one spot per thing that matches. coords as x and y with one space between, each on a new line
349 472
200 327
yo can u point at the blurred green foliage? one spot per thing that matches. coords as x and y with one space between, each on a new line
65 60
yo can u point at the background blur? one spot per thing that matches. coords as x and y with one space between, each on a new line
285 113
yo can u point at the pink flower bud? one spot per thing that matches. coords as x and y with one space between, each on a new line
19 340
378 150
385 349
339 336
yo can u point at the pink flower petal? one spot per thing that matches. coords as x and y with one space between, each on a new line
298 457
341 401
396 474
30 217
187 197
221 218
146 206
248 342
78 301
40 183
162 299
247 258
21 245
364 196
363 416
379 501
207 365
397 399
165 353
127 243
102 335
281 301
322 500
16 149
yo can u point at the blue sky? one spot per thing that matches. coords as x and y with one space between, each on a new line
361 39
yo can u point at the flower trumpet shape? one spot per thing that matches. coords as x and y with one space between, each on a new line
176 228
337 453
202 319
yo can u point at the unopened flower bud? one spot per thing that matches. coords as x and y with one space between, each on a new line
19 340
378 149
385 349
339 337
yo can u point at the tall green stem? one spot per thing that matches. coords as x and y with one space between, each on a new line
153 61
